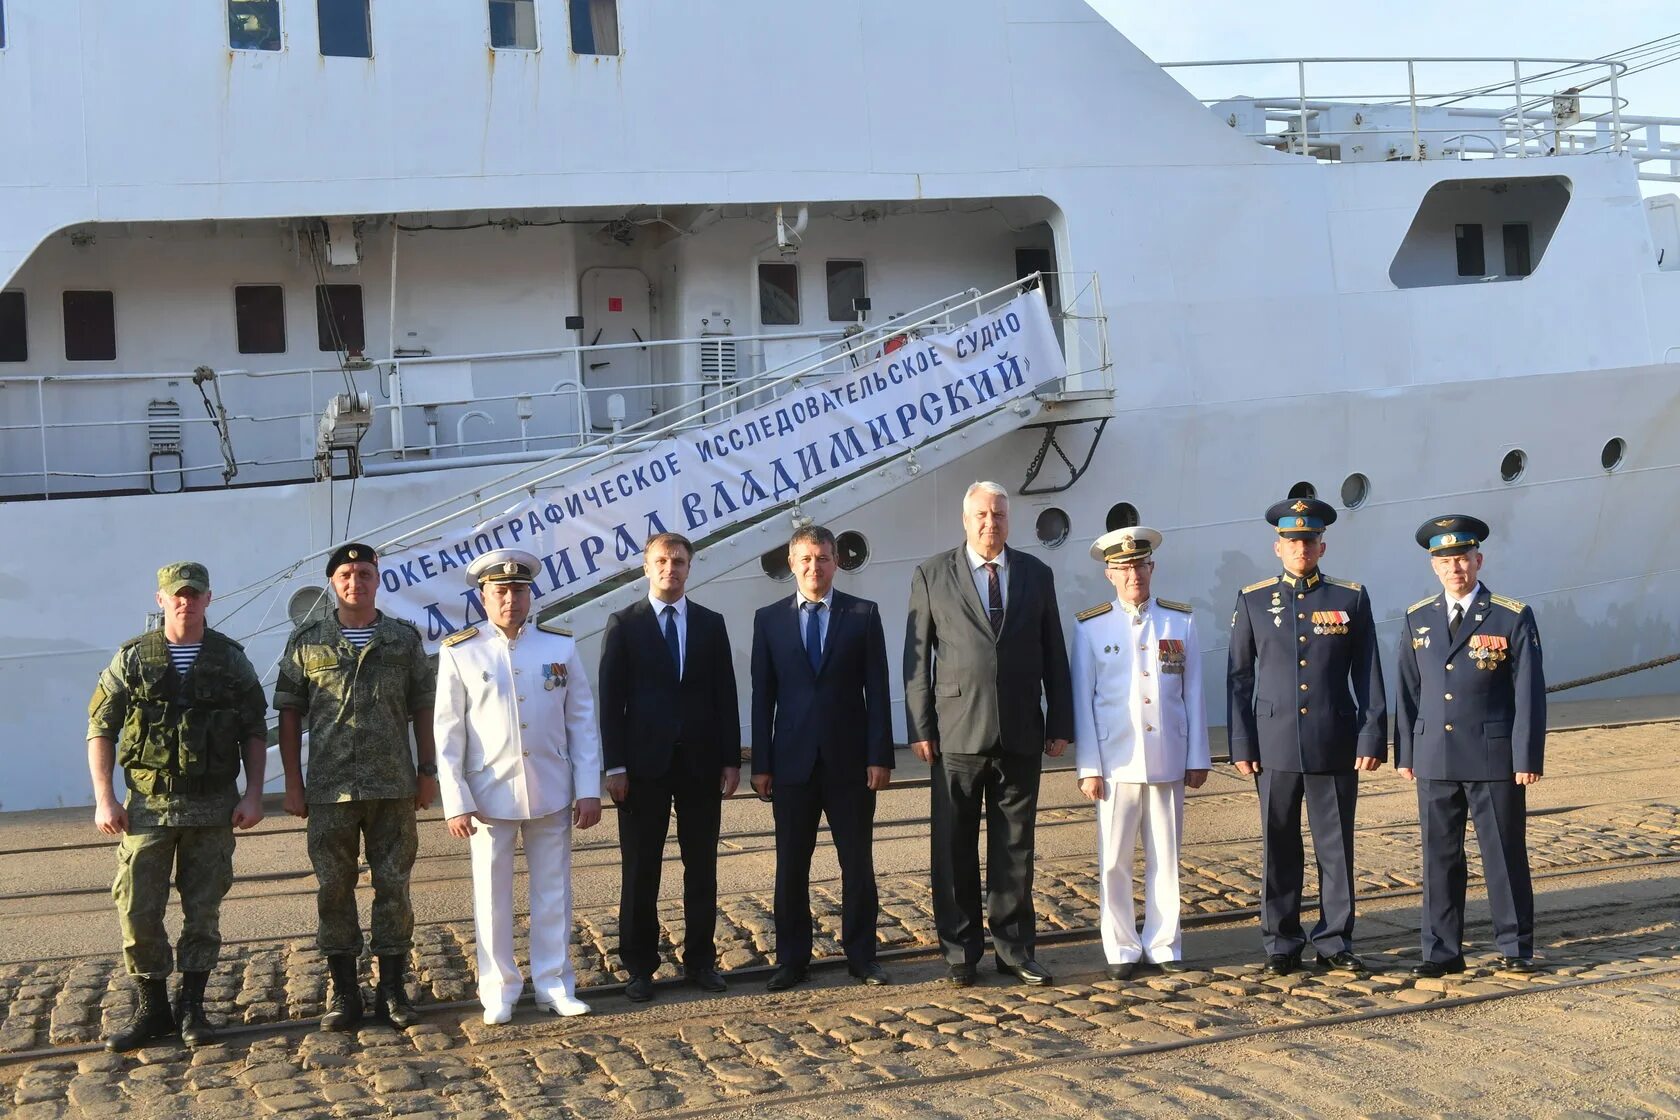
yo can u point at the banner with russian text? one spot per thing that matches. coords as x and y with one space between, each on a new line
591 528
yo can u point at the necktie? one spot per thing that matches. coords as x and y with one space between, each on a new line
1455 622
813 634
994 596
671 642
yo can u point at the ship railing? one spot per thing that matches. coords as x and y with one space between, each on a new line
1087 323
506 407
1431 107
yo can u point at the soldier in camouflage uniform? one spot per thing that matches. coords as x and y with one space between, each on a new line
186 706
356 679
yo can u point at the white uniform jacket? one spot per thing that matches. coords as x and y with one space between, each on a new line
1137 694
515 725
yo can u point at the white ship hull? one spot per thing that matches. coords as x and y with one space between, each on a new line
1260 334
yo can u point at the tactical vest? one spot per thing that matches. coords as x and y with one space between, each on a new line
183 735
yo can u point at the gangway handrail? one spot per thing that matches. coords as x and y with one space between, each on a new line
615 444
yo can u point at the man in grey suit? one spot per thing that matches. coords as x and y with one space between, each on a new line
986 691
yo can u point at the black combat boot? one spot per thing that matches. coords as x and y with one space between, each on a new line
152 1018
189 1010
390 999
344 994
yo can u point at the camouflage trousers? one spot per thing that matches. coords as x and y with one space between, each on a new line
337 831
201 860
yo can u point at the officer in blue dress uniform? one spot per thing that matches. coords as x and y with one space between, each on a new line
1471 730
1307 712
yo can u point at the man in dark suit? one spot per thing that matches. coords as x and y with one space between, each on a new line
822 746
670 735
1471 731
1307 712
983 651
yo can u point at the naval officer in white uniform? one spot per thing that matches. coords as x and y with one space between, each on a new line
518 754
1140 737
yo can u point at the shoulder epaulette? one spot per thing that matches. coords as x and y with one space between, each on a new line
1172 605
1421 603
1347 583
1092 612
555 628
1258 586
460 636
405 622
131 643
1508 603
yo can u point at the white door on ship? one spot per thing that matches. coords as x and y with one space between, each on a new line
617 307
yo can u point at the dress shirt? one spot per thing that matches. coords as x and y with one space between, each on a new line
659 606
982 580
1465 602
823 615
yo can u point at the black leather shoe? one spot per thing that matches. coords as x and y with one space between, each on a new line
1343 961
1027 972
343 1010
1524 965
1172 966
871 974
189 1010
1121 971
1282 964
786 977
708 980
390 998
961 976
1434 970
639 988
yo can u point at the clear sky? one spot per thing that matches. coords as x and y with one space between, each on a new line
1213 29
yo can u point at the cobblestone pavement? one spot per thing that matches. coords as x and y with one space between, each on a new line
75 1001
996 1049
1565 1055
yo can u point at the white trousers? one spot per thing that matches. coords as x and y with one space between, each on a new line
548 861
1157 810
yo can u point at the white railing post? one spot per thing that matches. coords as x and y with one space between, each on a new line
399 443
41 420
1616 105
1301 85
1522 126
1411 98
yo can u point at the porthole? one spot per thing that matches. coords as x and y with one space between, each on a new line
775 564
1053 527
1512 466
307 605
1355 489
1303 490
1122 515
852 549
1613 454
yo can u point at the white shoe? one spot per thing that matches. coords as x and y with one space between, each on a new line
496 1014
562 1004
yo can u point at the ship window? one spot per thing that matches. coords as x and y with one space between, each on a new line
1517 249
1303 490
14 328
259 313
851 550
1122 515
1053 527
2 25
90 327
513 25
345 28
1513 465
254 25
778 294
1610 458
845 283
775 564
338 317
1355 489
594 26
1472 261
